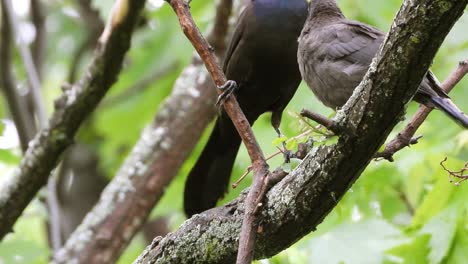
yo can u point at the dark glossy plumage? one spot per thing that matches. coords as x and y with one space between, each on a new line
262 60
335 53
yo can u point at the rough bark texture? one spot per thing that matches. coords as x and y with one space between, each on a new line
154 161
296 205
70 110
163 146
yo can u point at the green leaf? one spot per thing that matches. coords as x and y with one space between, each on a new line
286 167
415 182
279 140
415 252
22 252
459 253
434 202
462 140
442 229
362 242
292 144
2 128
7 156
293 114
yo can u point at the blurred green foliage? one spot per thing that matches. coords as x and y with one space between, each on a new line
402 212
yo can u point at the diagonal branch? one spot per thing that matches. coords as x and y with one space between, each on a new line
295 206
406 137
140 86
232 108
71 109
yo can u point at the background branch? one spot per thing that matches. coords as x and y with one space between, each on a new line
25 125
140 86
16 104
71 109
152 164
32 74
94 26
296 205
39 45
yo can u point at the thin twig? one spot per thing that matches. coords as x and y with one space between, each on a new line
231 106
322 120
460 175
31 71
39 45
249 168
248 230
16 104
406 136
217 37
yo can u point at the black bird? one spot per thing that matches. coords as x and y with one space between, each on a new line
334 55
262 60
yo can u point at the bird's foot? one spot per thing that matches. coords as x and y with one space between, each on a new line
287 154
227 89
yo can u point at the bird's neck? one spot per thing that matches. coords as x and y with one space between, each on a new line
323 9
286 7
286 15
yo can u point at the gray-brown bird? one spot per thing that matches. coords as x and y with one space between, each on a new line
335 53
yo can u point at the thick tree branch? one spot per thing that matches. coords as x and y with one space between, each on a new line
406 137
296 205
71 110
153 163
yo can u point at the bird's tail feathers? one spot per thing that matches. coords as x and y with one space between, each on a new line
209 178
446 105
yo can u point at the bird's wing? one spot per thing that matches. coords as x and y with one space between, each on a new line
236 38
357 43
354 42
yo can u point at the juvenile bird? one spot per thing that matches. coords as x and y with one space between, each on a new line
262 60
335 53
